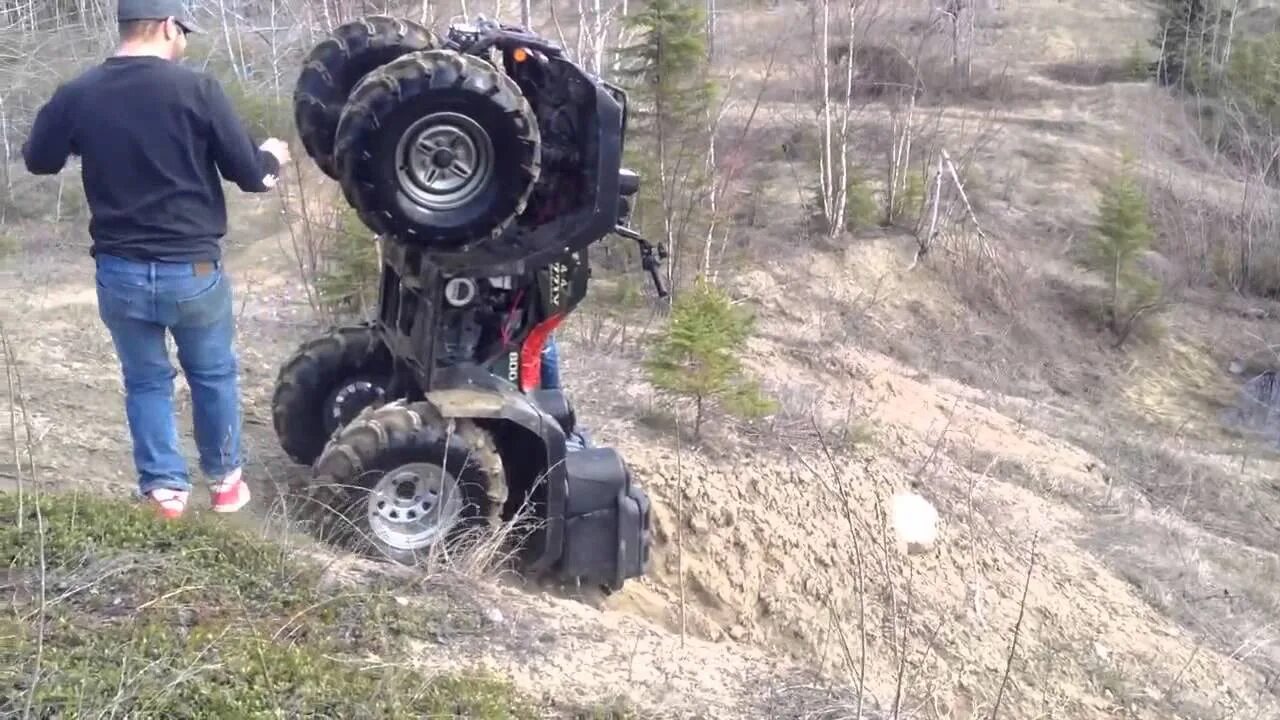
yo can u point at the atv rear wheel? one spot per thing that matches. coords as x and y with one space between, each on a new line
336 65
325 385
438 149
401 482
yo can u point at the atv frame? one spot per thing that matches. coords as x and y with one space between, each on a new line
428 421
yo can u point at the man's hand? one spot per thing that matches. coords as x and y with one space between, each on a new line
278 148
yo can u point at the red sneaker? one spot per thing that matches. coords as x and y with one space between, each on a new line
230 494
169 504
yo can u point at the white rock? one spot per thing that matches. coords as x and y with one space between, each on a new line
915 522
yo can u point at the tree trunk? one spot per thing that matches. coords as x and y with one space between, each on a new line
598 33
697 418
825 178
616 63
8 160
1115 295
711 31
1231 33
842 188
710 166
231 48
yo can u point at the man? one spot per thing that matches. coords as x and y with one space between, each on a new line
550 377
550 380
155 139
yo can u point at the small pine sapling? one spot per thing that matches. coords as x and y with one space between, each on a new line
348 282
1121 236
697 358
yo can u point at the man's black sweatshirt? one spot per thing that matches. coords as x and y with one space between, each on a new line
155 139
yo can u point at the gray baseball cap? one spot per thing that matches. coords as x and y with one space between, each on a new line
157 10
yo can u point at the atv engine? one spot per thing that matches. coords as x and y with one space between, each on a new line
487 163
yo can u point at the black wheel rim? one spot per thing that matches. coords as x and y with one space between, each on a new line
444 161
349 398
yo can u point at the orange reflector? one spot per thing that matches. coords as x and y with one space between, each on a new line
521 55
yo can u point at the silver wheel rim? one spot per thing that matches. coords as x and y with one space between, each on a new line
414 505
444 160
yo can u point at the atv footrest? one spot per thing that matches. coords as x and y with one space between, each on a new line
606 532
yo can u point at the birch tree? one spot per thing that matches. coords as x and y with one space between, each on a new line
835 106
667 71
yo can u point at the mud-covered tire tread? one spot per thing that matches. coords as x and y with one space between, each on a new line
336 65
387 436
305 380
402 80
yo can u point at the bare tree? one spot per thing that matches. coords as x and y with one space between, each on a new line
835 105
726 169
961 18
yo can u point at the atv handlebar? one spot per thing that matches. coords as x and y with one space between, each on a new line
648 260
474 38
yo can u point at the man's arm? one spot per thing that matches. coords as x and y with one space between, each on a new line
238 159
49 145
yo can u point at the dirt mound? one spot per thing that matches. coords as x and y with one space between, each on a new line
564 649
795 554
788 542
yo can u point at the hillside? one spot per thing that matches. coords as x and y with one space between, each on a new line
1109 515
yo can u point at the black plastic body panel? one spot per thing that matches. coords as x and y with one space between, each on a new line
606 529
592 522
533 450
410 291
413 316
556 404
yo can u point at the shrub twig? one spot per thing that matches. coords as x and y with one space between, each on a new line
1017 628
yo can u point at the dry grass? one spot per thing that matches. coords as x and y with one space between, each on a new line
1180 385
97 587
1093 73
112 611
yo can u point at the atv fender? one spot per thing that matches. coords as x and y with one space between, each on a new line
592 521
532 444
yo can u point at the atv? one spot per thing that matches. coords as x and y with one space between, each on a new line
486 163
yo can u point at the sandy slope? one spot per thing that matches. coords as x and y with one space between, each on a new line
786 554
791 551
548 645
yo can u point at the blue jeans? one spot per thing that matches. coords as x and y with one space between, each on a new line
142 301
551 364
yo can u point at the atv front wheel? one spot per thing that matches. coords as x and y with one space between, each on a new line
438 149
325 385
401 482
335 65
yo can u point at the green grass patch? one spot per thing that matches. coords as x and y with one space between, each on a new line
155 669
125 551
113 612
